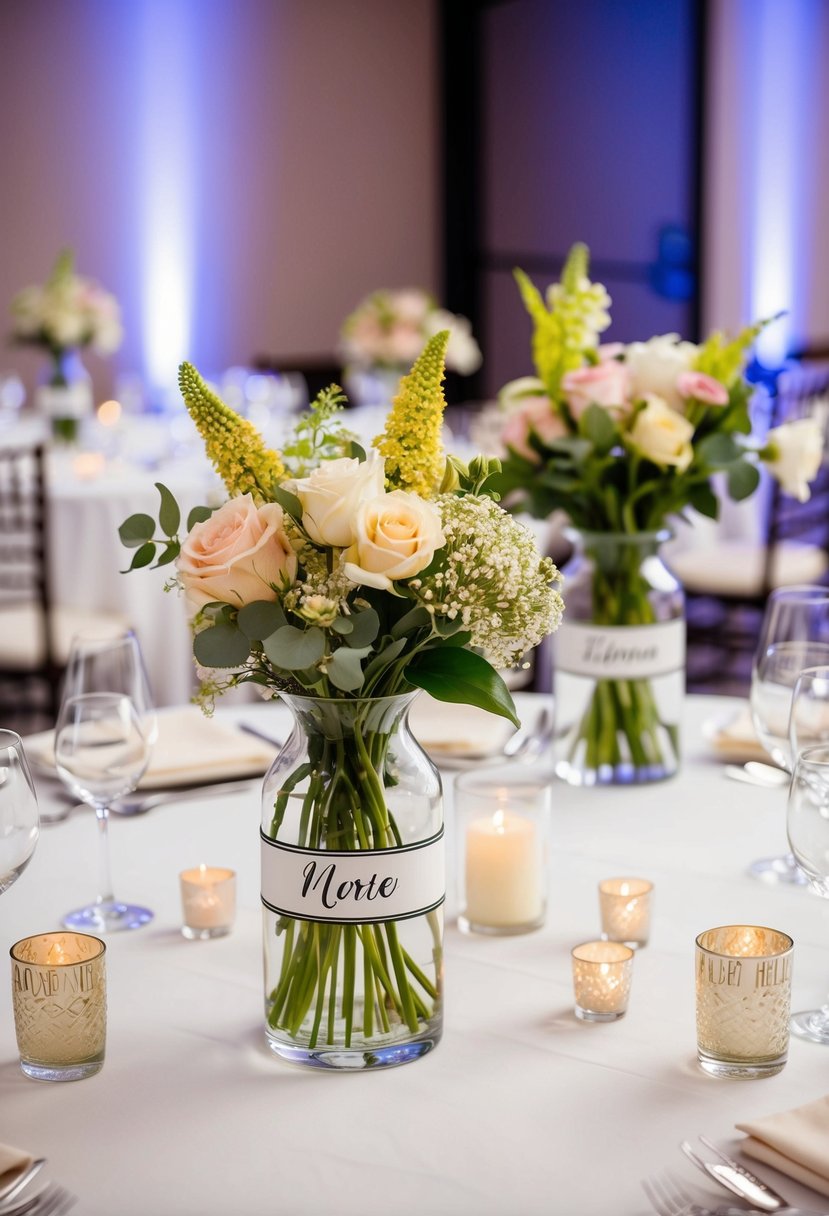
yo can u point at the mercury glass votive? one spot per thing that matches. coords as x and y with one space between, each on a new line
502 817
602 972
625 909
208 900
59 1000
744 988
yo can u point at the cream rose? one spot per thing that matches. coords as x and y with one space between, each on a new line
795 452
331 494
655 365
661 435
396 537
237 555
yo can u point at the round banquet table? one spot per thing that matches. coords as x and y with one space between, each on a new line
520 1110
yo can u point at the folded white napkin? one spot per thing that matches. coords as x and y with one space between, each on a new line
12 1161
190 748
795 1142
735 740
445 728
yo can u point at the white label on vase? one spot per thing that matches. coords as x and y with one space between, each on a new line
362 886
619 652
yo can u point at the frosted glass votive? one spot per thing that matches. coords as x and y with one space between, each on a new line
59 1000
602 972
625 909
208 900
502 818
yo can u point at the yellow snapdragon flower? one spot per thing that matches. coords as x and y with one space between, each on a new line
411 443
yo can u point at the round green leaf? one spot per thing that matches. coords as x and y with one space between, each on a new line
136 530
260 619
221 646
345 669
366 627
293 649
198 515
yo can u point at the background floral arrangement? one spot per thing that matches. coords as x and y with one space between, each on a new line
624 436
68 312
389 328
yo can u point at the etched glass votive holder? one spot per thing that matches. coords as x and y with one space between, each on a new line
502 817
625 909
602 972
208 901
59 1001
744 989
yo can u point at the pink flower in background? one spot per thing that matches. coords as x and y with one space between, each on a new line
607 384
532 414
702 388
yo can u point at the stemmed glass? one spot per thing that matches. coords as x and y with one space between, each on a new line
794 635
101 753
19 824
808 828
111 664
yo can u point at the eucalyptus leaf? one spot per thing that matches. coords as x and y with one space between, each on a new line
198 515
597 425
136 530
221 646
462 676
356 451
704 500
289 502
743 480
343 625
345 669
385 657
141 557
719 450
260 619
293 649
170 554
169 515
415 618
366 627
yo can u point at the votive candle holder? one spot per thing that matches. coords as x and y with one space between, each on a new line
602 973
208 901
59 1001
625 910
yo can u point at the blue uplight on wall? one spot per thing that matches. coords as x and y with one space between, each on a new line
782 83
167 177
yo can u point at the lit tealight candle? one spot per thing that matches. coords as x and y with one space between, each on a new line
88 465
625 907
504 870
109 412
602 972
208 897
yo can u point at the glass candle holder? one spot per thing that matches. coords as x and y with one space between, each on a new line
208 901
625 909
59 1000
602 972
744 988
502 817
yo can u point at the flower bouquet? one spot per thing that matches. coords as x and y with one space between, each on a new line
66 314
345 581
623 438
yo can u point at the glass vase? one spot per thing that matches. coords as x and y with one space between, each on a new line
619 662
64 394
353 884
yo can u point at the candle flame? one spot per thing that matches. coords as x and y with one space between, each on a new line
498 821
624 889
55 954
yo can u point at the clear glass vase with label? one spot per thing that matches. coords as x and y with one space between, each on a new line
619 662
353 884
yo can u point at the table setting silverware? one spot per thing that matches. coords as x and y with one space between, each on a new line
18 1181
754 772
53 1200
740 1181
669 1197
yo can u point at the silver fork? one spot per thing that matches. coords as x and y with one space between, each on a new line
53 1200
669 1197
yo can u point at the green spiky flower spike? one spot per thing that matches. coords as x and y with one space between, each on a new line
411 443
233 445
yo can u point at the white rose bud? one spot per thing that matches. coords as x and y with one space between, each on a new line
396 537
654 367
661 435
793 454
331 494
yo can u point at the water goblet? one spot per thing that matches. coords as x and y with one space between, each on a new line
101 753
113 664
19 825
794 635
808 829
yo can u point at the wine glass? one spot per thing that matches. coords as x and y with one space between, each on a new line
808 829
794 635
19 824
115 664
101 753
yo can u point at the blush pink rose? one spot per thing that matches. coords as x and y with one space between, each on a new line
702 388
607 384
536 415
236 556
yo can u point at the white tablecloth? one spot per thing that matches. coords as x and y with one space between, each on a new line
521 1110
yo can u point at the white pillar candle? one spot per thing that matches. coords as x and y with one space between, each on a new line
208 897
504 866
